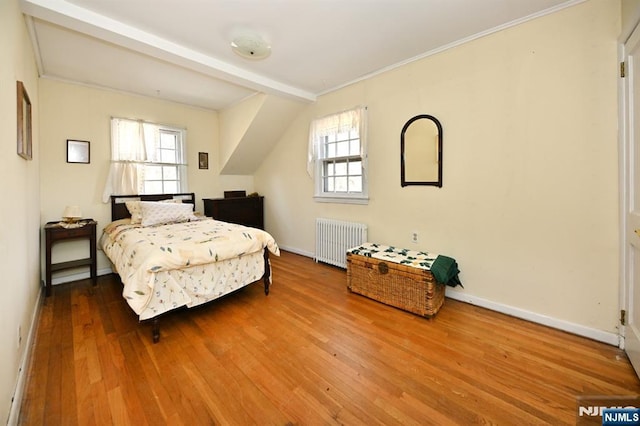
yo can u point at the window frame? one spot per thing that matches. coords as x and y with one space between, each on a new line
322 160
180 164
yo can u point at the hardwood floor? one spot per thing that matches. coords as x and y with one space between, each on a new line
309 353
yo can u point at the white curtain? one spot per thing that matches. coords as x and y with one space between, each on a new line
151 140
333 124
128 152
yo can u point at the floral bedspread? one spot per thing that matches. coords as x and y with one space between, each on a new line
140 253
417 259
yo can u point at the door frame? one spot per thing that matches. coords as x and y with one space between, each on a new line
630 343
623 176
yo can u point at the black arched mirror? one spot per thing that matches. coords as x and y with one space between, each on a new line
421 152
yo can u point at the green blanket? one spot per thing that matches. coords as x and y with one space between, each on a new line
445 271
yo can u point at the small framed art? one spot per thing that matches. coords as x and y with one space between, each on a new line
203 160
78 151
24 123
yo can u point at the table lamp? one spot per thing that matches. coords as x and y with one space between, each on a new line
71 214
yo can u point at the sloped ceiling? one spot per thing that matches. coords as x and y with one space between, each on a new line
179 50
250 129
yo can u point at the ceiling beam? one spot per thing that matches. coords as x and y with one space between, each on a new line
68 15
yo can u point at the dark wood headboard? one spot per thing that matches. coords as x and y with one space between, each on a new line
119 208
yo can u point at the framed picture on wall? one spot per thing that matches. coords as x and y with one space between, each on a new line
78 151
24 123
203 160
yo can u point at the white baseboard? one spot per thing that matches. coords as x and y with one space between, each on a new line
16 400
79 276
298 251
580 330
577 329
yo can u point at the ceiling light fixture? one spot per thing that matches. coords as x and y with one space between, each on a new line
251 46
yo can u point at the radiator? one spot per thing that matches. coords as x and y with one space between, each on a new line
335 237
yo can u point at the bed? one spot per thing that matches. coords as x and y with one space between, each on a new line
169 257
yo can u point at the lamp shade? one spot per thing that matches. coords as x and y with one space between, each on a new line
72 213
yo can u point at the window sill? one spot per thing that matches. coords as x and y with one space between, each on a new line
341 200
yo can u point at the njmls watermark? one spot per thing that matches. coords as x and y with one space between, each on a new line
608 410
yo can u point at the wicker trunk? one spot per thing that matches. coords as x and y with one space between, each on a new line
405 287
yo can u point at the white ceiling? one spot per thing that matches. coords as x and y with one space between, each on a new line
179 50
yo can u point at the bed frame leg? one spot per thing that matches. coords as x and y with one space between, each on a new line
156 330
267 272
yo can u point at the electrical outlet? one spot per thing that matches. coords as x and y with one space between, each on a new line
414 237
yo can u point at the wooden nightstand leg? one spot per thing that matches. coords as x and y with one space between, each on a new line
47 282
94 260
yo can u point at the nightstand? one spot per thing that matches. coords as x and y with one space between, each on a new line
55 232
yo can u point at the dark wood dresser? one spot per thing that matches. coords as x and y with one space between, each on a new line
248 211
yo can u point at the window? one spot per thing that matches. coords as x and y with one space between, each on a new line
163 176
146 158
337 157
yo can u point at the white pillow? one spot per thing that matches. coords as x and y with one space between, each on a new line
154 213
136 212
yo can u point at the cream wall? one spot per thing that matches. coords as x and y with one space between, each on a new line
530 197
528 207
71 111
630 18
20 209
234 122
